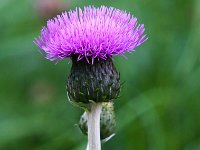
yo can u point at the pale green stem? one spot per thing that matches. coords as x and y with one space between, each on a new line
94 142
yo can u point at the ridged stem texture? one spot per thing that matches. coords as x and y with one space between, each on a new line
94 142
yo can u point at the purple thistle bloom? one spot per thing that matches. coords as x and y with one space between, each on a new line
91 33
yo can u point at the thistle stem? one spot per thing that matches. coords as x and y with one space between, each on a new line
94 142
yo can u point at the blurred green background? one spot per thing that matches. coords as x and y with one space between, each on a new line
159 106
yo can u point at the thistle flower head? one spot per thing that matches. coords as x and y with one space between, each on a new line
90 33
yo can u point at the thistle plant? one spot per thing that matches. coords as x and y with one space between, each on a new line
90 38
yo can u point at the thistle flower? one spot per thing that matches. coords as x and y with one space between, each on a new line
91 33
90 37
